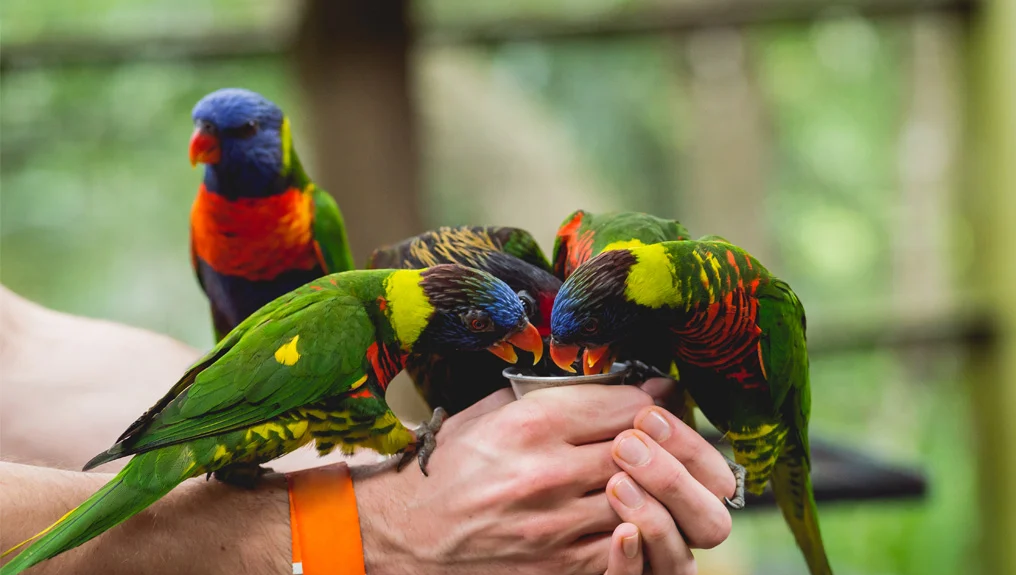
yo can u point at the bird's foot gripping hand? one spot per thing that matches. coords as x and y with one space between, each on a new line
639 371
736 502
426 440
242 475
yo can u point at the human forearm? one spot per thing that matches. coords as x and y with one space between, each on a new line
199 528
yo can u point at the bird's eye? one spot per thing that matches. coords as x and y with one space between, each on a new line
528 303
245 131
590 326
477 321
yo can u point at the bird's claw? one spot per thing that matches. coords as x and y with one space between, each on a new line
426 441
736 502
639 371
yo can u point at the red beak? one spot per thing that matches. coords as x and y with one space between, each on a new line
204 148
596 360
564 355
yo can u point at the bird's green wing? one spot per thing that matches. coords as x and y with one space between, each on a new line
521 244
311 347
330 233
784 352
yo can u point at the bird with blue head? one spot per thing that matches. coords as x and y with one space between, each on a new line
259 226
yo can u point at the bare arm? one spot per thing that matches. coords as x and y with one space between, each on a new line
199 528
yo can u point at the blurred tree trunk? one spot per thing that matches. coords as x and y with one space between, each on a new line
352 60
991 206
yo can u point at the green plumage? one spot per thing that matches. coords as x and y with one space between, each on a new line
737 335
311 365
583 235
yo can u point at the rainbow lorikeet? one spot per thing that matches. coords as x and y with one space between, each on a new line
737 334
312 365
457 379
259 226
583 235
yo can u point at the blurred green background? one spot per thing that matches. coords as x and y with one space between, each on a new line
831 149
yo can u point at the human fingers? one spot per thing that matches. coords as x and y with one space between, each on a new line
659 388
585 413
625 555
661 541
702 460
704 520
486 405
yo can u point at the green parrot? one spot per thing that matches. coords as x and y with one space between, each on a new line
312 365
583 235
737 335
457 379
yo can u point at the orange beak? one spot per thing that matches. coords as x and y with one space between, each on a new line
596 360
564 355
505 351
204 148
527 340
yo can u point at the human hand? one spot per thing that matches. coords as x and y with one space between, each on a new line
514 487
671 480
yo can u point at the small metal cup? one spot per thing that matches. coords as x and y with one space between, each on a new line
523 384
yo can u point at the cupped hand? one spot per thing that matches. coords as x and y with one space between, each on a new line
514 487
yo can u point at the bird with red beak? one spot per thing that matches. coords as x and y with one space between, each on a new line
260 228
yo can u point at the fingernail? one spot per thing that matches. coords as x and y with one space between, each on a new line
628 494
654 425
630 545
633 451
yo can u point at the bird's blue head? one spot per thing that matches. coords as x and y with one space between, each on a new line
244 140
473 310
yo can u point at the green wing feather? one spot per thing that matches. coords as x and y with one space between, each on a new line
330 233
785 357
241 382
521 244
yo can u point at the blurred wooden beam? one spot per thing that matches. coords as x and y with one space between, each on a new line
669 18
679 17
352 61
990 206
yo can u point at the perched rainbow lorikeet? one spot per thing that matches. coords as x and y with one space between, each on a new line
259 227
583 235
457 379
737 334
312 365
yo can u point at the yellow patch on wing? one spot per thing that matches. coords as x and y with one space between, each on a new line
622 245
652 280
287 143
408 309
265 430
358 382
220 452
287 353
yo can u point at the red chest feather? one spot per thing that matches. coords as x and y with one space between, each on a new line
256 239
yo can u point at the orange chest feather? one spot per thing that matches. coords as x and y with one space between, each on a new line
256 239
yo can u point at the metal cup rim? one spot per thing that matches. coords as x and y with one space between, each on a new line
617 372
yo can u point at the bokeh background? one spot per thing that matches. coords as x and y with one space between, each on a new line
854 147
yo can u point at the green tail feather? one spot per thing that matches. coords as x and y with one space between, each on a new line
792 487
124 496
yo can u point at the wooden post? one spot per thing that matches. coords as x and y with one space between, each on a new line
992 208
352 60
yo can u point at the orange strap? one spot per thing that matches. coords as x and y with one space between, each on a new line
324 522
